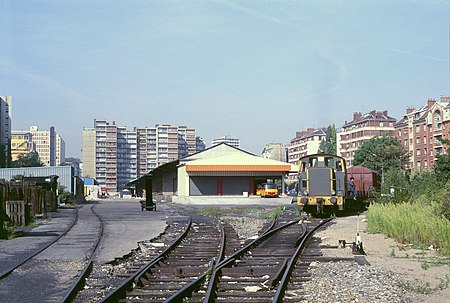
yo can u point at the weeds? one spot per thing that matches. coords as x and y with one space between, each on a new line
209 212
424 265
273 214
424 287
410 223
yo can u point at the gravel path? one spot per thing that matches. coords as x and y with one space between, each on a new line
396 273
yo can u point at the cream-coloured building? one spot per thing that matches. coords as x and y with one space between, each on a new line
49 145
305 143
274 151
219 171
21 144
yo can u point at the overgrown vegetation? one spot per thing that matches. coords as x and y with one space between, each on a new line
415 207
410 223
220 212
273 213
424 287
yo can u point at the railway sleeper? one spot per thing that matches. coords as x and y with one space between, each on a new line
244 294
161 285
252 271
275 254
253 262
169 280
194 255
147 292
264 283
183 271
190 262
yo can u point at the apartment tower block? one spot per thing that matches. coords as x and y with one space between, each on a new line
114 155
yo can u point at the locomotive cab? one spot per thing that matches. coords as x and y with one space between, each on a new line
321 183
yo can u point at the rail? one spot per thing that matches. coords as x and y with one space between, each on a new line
120 291
278 298
212 285
8 271
79 283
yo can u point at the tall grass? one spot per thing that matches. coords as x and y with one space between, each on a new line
410 223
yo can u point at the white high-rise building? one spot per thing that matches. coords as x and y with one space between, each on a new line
226 139
114 155
49 145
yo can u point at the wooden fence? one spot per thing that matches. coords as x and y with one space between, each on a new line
21 201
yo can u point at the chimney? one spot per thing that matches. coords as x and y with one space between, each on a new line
357 116
430 102
445 99
385 113
299 134
309 131
409 110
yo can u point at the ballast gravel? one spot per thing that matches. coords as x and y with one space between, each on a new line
350 282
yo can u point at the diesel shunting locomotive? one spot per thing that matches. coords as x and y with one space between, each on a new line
322 183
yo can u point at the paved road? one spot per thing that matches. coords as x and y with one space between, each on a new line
48 276
125 225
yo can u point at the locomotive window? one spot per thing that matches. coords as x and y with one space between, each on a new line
313 162
329 161
303 166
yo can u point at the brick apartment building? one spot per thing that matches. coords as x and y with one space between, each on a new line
421 130
360 130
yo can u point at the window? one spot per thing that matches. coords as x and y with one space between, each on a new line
437 120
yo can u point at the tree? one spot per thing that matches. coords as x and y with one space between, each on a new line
328 146
29 160
381 153
442 164
75 162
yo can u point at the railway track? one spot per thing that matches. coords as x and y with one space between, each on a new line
201 246
9 270
63 258
259 272
201 267
105 278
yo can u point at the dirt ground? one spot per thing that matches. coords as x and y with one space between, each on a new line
420 271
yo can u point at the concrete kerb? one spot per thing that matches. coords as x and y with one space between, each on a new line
232 200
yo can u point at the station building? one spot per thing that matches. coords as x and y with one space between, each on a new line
219 171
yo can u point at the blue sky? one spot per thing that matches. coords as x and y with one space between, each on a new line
256 70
